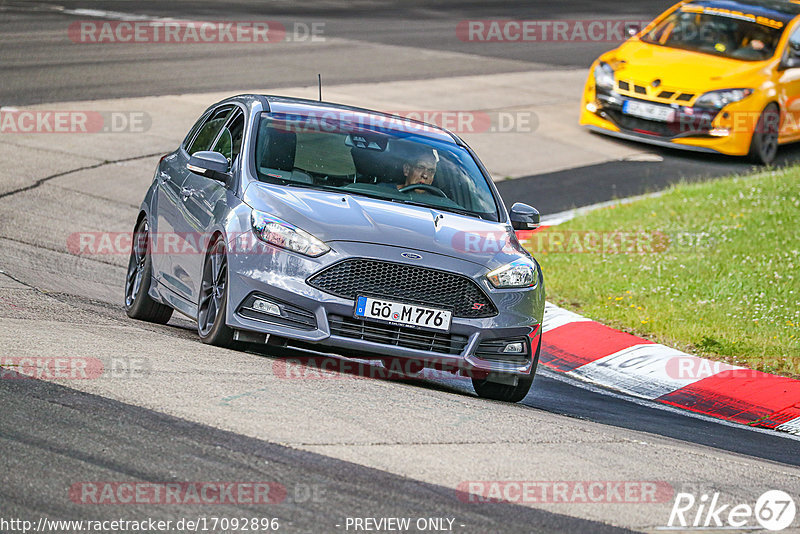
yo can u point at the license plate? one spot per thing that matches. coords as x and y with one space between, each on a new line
403 314
653 112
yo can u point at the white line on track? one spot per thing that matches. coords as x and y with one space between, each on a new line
91 13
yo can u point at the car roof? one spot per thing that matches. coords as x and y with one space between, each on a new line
781 10
386 121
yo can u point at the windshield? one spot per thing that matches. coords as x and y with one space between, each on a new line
399 165
720 32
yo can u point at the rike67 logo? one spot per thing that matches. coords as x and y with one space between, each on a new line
774 510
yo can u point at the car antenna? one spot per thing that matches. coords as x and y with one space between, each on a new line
319 84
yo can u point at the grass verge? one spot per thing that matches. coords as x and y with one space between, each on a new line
710 269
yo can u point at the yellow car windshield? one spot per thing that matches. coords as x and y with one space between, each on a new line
718 32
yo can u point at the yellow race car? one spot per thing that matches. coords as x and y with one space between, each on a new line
707 75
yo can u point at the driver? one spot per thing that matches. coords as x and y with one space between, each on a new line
420 170
758 41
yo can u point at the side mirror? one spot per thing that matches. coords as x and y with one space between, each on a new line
792 61
524 217
209 164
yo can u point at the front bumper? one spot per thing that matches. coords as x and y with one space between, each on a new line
728 131
313 317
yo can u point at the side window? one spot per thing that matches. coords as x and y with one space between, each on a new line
208 132
229 142
197 125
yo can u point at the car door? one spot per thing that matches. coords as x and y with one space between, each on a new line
176 241
788 87
170 176
202 200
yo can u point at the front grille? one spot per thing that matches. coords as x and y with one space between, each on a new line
659 94
352 278
696 125
492 350
398 336
629 122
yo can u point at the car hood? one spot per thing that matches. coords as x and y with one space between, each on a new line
683 70
342 216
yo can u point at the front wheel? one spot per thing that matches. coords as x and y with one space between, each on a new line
213 301
764 146
488 389
503 392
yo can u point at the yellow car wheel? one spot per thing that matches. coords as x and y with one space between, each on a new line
764 145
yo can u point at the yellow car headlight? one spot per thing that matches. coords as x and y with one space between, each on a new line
720 99
604 76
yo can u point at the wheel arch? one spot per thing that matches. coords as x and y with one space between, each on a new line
142 215
215 234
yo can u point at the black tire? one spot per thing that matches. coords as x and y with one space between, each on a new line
504 392
212 303
138 304
764 146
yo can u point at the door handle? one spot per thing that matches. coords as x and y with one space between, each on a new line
187 192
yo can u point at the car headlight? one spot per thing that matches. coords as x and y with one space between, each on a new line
284 235
720 99
604 76
518 273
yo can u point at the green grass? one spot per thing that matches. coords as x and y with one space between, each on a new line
717 274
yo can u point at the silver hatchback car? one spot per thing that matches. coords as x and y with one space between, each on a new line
291 222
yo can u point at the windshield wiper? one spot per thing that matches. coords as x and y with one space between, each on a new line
314 186
341 191
460 211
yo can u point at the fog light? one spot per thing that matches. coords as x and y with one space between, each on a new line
591 108
719 132
516 347
266 307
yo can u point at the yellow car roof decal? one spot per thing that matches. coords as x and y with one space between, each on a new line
758 19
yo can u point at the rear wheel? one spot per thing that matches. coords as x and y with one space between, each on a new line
764 146
138 304
213 302
489 389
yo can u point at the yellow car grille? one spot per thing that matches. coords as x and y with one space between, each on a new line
657 94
